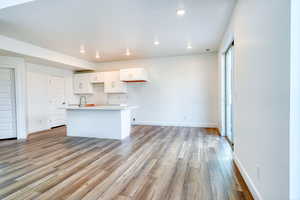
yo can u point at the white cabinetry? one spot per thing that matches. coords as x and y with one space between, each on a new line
82 84
133 75
97 77
112 83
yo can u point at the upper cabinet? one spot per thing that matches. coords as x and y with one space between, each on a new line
112 83
133 75
97 77
82 84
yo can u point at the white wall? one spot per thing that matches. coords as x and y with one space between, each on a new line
182 90
37 94
295 102
262 82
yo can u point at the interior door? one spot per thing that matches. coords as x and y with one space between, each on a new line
7 104
56 92
229 63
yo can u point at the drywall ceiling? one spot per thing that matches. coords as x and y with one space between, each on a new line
112 26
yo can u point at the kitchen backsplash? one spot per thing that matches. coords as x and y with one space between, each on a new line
117 98
99 97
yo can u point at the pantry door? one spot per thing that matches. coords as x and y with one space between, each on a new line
56 96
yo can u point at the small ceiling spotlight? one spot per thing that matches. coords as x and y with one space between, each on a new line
156 42
189 46
180 12
82 49
97 54
127 52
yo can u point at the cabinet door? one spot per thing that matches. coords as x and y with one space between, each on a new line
77 84
127 74
133 75
97 77
82 84
94 78
112 83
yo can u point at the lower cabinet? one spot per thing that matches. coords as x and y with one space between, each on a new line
113 84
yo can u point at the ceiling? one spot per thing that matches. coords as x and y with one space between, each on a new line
112 26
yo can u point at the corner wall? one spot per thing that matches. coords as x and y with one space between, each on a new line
38 106
261 32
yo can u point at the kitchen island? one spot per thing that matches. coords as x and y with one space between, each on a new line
107 121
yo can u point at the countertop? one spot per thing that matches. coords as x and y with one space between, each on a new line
101 107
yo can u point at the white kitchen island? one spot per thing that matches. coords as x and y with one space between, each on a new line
108 121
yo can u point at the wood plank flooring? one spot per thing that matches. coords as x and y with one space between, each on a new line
157 163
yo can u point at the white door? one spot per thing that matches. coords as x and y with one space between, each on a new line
229 64
7 104
56 96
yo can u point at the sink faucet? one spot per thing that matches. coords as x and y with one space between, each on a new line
82 101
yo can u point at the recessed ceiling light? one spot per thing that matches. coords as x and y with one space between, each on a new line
97 54
127 52
189 46
82 49
156 42
180 12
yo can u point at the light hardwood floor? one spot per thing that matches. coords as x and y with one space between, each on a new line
154 163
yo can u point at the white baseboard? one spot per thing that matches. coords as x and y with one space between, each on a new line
186 124
254 191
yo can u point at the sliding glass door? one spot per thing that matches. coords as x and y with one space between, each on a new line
229 63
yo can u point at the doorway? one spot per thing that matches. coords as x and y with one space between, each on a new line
229 68
56 96
8 122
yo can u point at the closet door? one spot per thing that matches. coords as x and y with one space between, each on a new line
7 104
56 95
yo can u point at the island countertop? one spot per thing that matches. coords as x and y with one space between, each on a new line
99 121
101 107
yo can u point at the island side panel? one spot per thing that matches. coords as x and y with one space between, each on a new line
125 123
94 123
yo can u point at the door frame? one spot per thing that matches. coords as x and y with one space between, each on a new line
18 65
231 46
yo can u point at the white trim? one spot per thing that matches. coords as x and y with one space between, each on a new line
18 65
26 49
186 124
254 191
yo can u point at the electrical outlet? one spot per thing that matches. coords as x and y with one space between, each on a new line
184 118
